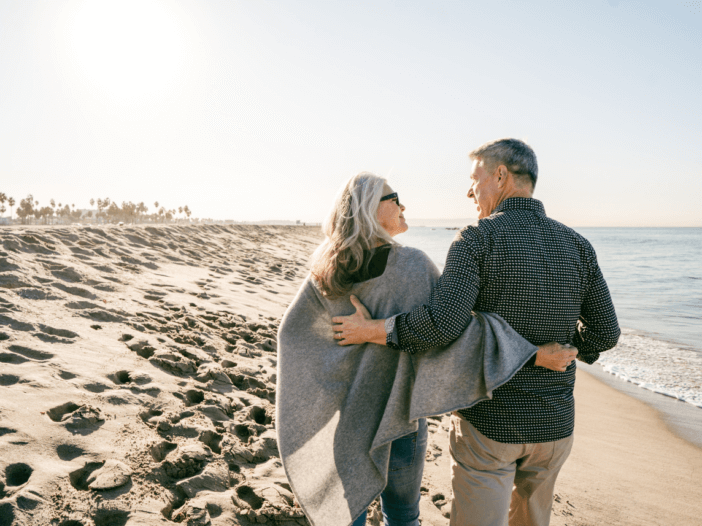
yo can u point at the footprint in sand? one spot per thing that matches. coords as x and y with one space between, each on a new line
125 377
17 474
15 324
160 450
76 291
68 274
83 419
79 477
267 497
212 440
143 348
188 460
81 305
101 476
110 517
32 354
95 387
439 500
6 431
259 415
68 452
52 335
193 397
8 379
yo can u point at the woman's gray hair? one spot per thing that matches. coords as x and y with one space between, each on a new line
516 155
351 227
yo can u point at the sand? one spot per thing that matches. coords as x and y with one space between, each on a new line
137 382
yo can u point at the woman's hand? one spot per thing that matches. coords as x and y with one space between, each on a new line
555 356
359 327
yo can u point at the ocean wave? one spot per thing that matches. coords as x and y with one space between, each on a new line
657 365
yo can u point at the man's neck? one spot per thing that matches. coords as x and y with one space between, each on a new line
514 192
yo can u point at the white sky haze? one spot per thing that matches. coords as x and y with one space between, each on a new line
254 110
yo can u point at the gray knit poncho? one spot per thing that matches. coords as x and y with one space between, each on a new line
339 408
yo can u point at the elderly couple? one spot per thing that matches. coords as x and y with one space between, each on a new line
376 341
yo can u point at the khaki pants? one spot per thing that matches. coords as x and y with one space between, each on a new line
496 484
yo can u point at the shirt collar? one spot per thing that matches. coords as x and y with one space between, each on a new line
520 203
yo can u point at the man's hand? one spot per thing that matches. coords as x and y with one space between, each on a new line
358 327
555 356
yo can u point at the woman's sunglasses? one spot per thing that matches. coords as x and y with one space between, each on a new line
391 196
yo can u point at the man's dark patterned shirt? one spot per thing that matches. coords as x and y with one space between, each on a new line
543 279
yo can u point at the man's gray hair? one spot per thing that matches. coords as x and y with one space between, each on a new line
516 155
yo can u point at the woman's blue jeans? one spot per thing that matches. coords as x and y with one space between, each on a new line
400 498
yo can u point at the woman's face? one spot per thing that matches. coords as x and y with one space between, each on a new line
390 215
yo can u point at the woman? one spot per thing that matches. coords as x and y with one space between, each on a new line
351 420
357 250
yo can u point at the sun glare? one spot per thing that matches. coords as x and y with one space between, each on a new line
129 48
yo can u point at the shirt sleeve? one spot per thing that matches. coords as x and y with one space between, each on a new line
598 328
448 312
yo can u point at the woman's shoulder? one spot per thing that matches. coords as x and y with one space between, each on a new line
412 257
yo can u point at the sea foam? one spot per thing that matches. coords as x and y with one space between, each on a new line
657 365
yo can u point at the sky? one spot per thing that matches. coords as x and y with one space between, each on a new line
258 110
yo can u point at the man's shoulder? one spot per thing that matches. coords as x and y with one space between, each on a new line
519 220
567 232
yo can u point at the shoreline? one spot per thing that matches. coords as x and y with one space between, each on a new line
627 467
684 419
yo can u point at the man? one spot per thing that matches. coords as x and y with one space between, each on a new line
543 279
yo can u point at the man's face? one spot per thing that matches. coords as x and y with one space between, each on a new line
483 189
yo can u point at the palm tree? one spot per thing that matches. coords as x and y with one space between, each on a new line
141 209
3 198
187 211
11 202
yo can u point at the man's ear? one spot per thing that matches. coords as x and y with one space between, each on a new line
502 175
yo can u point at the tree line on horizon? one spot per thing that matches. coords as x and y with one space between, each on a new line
30 212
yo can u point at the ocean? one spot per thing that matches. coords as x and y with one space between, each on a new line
655 278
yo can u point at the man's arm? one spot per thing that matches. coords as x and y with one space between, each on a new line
440 321
598 328
552 355
449 310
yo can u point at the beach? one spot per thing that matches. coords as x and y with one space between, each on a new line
137 387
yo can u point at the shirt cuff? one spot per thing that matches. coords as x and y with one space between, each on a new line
392 339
